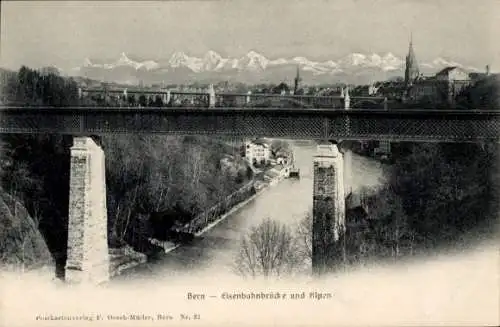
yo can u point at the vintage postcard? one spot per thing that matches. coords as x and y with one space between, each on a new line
255 163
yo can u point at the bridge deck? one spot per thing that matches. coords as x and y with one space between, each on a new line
397 125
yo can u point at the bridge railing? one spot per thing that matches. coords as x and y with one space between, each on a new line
359 124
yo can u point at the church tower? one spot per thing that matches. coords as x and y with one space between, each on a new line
297 81
411 70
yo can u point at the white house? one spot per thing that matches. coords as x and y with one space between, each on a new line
257 151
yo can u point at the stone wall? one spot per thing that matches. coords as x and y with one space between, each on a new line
210 215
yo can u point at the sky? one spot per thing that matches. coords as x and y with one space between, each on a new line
64 33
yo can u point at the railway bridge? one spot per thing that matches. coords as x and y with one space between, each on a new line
88 259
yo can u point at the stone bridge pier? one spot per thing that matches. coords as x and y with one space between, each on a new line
88 256
328 208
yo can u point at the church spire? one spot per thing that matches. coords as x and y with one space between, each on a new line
411 70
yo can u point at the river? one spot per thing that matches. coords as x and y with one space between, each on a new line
287 202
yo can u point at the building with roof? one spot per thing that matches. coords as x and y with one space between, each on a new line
452 73
440 88
257 151
426 90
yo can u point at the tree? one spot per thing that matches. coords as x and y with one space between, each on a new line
151 101
143 101
158 101
304 237
30 87
392 229
269 249
131 101
168 179
483 94
279 146
437 193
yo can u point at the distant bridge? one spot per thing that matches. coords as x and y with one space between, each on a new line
229 100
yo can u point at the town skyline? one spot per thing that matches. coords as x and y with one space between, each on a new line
63 34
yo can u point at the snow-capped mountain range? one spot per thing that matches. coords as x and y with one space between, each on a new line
252 67
122 61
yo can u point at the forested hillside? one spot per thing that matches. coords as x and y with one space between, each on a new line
175 176
437 196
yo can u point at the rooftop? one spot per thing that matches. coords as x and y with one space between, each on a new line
261 141
446 70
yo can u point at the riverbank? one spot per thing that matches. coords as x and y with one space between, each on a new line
268 178
123 258
265 186
206 221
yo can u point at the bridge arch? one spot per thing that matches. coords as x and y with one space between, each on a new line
366 104
278 102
